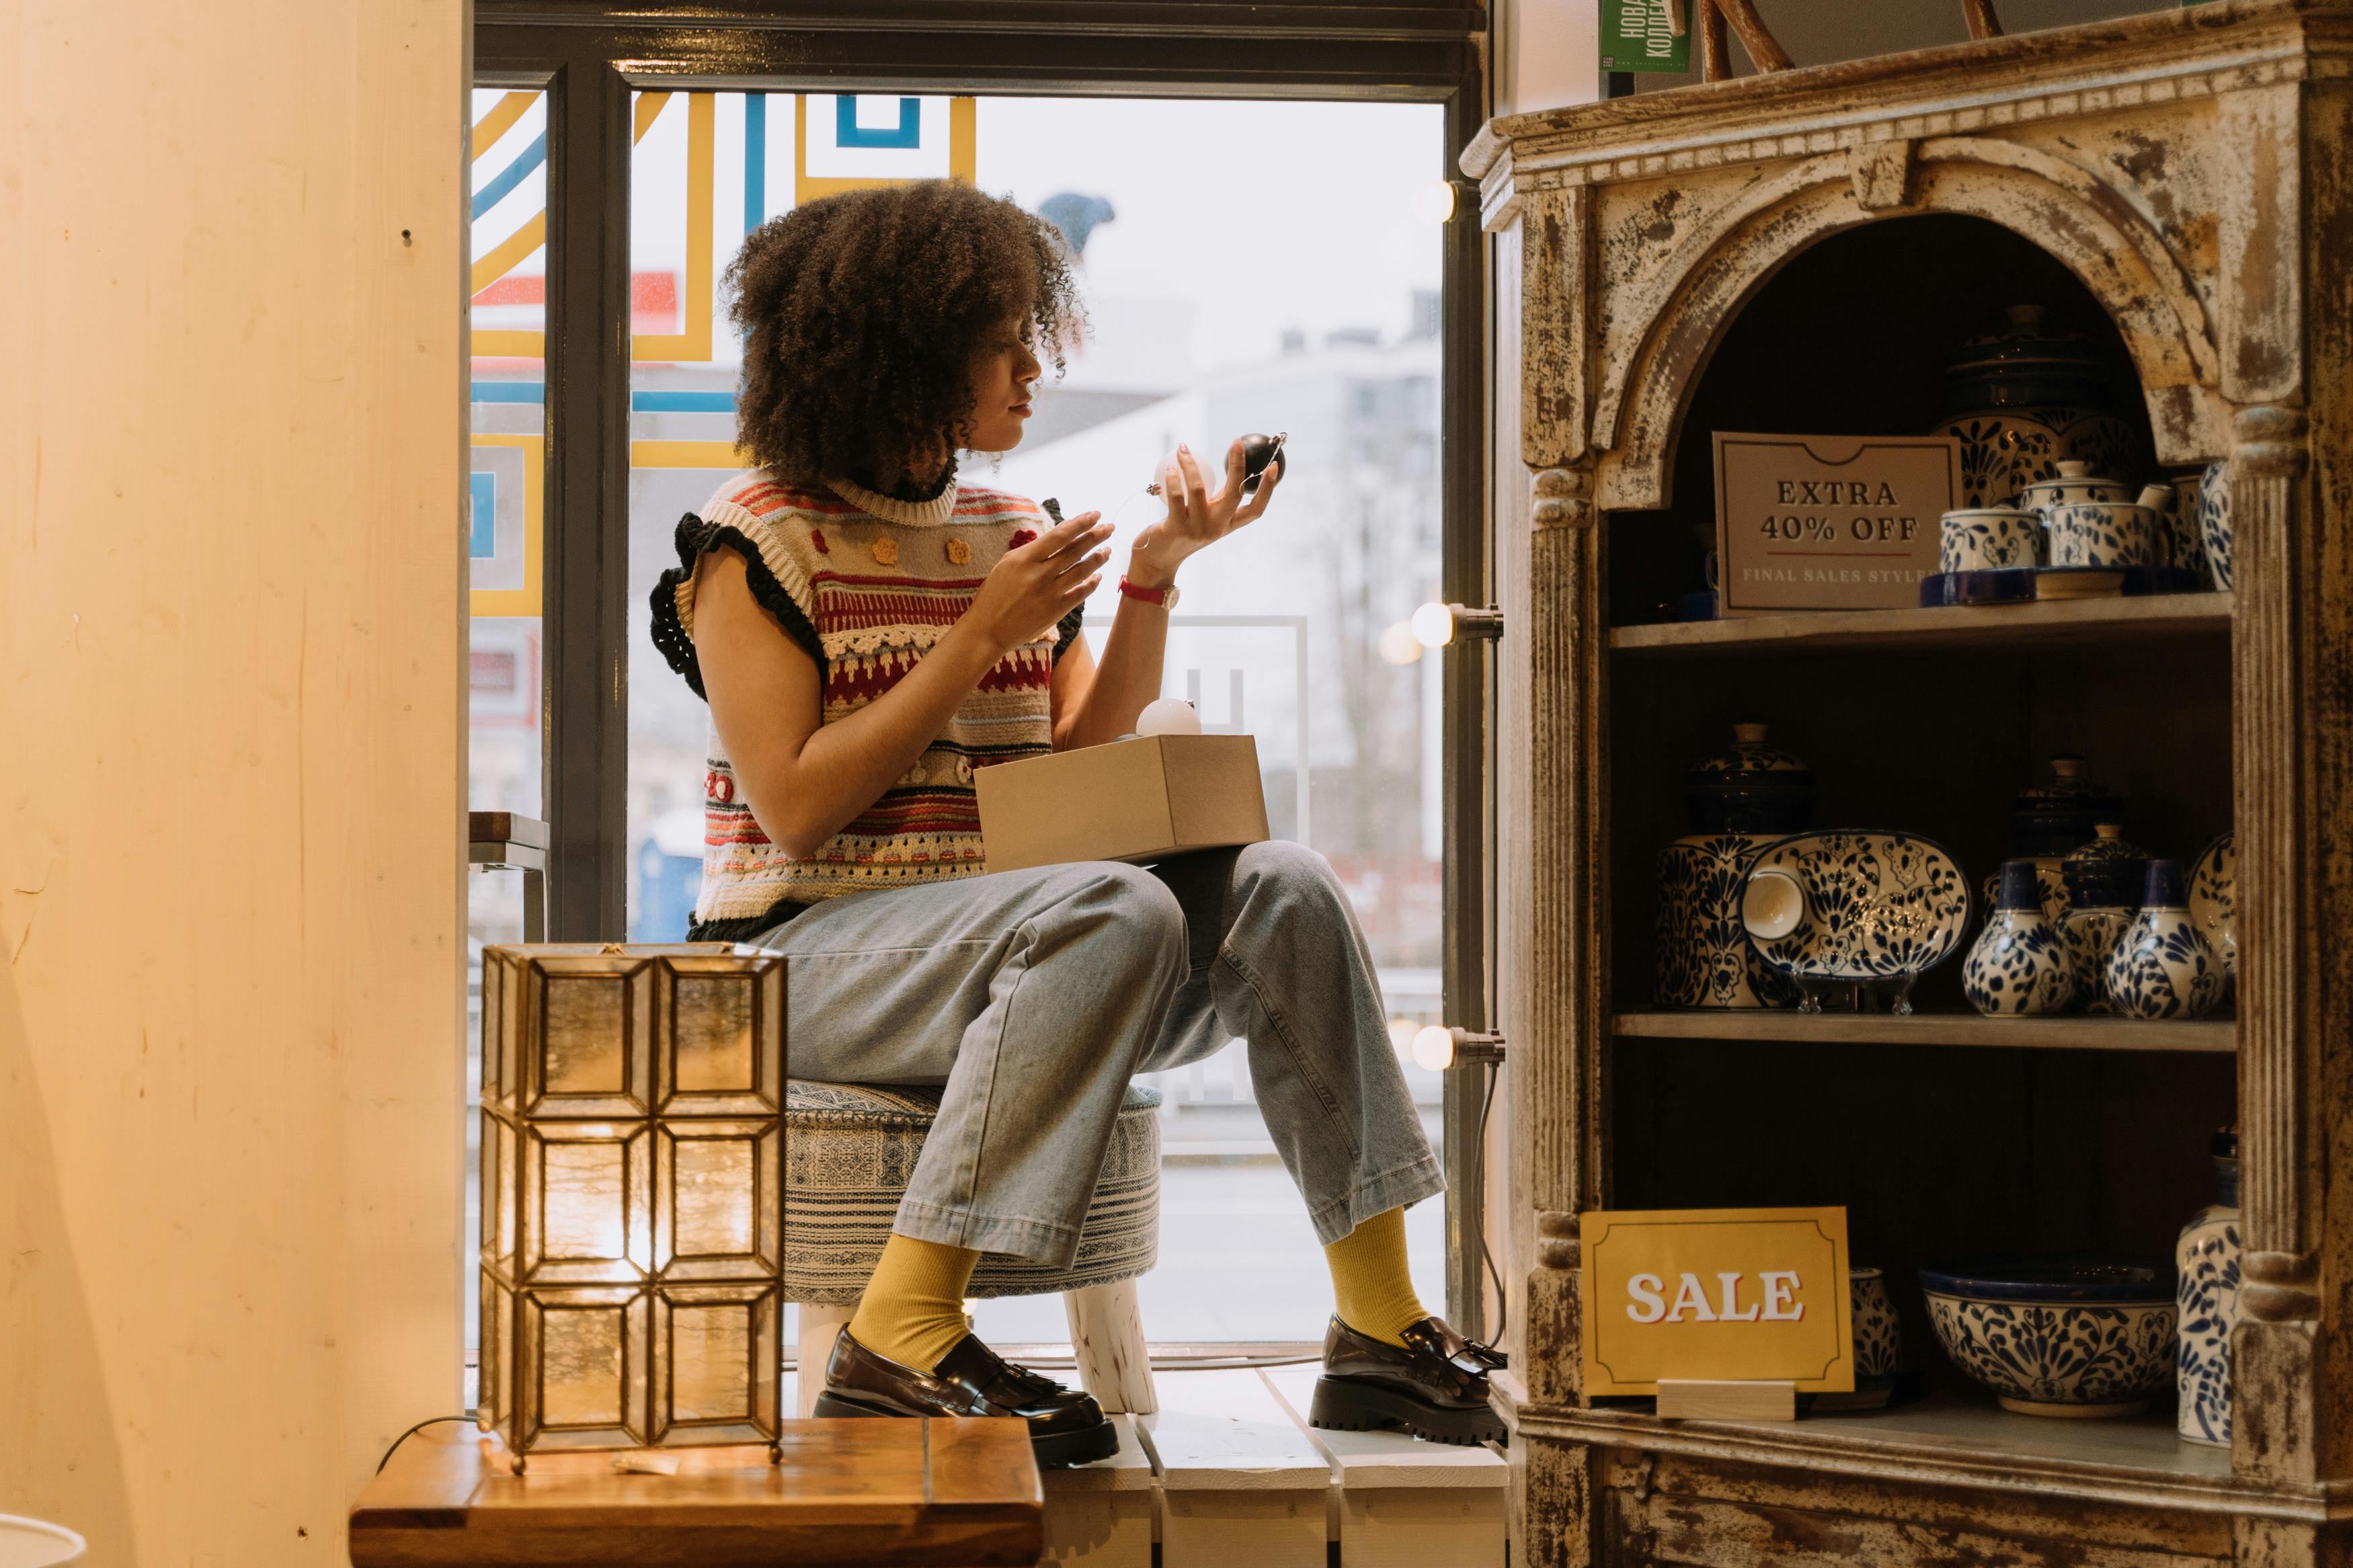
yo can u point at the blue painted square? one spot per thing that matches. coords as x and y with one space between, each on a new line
485 542
848 132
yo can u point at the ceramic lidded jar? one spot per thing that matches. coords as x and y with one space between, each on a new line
2161 968
2026 399
2074 484
2214 523
2206 1292
2017 967
2050 818
2104 879
1740 800
2063 811
2181 546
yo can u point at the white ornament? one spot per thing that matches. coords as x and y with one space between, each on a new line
1169 716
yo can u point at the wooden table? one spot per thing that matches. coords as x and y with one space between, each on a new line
848 1492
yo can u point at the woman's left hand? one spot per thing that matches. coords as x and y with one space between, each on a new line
1197 519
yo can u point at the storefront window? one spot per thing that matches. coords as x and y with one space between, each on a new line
505 513
1222 301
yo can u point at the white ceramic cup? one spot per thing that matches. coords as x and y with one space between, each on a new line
1984 539
1772 904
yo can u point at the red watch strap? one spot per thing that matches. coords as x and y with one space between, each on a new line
1149 595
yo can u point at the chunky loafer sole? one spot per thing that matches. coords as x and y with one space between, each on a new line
1055 1451
1356 1405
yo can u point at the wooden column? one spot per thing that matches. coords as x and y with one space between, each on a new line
1560 984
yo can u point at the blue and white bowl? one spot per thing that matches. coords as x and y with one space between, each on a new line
2058 1336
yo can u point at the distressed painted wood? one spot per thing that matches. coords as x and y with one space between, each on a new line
2190 170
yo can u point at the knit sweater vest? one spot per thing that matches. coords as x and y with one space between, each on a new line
865 585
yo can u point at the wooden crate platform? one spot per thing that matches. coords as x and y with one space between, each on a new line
1228 1474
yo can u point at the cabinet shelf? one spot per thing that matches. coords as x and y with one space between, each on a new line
1950 1439
2067 1034
1996 626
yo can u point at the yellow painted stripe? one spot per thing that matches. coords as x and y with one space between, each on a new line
510 343
508 252
688 455
527 599
649 107
963 154
694 344
964 141
502 115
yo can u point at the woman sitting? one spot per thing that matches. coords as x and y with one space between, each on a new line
867 631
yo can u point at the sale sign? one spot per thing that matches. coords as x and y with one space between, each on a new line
1720 1295
1829 522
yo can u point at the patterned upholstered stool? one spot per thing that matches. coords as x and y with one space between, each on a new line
849 1151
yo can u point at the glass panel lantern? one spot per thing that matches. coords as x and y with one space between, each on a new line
632 1190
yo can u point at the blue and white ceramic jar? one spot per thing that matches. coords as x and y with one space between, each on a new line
2104 880
2074 484
2162 968
2214 523
2180 543
2206 1265
2027 399
1740 800
2017 966
1704 957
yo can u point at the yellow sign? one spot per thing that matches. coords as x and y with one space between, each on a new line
1725 1295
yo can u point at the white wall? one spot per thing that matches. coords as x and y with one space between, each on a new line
231 783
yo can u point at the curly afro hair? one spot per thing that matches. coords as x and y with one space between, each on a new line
864 313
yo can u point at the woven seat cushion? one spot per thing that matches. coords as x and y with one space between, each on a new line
851 1149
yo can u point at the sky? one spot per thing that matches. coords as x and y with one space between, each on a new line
1265 184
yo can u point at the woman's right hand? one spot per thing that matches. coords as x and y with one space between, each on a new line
1035 584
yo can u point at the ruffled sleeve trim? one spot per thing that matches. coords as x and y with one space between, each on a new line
771 574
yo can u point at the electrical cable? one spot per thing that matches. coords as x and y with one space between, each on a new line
1502 1300
413 1431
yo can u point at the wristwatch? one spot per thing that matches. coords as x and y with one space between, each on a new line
1164 597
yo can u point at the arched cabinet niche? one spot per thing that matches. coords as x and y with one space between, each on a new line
1795 253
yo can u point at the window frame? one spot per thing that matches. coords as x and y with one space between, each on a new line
588 56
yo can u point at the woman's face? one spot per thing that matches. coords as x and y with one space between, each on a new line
1001 374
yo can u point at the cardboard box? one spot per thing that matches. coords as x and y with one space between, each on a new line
1128 800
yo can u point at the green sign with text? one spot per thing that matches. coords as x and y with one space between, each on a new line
1646 36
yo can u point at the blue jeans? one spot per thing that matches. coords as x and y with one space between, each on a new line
1034 996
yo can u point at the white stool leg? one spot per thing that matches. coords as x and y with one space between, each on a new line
820 1322
1107 1335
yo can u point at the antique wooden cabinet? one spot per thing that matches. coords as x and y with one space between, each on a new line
1793 252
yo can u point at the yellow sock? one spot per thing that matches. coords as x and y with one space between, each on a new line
913 1310
1372 1289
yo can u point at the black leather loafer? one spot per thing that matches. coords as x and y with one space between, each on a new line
1066 1428
1434 1387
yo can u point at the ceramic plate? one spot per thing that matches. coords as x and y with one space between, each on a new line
1854 905
2213 898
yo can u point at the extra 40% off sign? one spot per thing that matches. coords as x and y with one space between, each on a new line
1717 1295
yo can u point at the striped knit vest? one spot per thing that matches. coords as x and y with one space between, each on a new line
865 585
